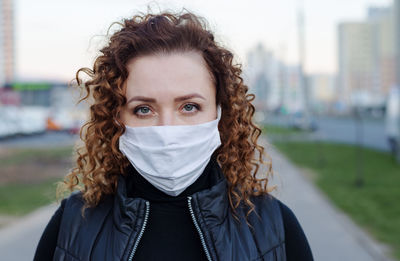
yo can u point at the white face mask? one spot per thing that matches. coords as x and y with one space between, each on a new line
171 157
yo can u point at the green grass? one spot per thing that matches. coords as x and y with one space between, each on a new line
20 199
279 130
375 205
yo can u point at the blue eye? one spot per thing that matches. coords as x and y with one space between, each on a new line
141 111
189 107
144 109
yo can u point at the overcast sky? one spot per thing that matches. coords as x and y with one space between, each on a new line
57 37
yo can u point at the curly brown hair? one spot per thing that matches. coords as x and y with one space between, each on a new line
99 160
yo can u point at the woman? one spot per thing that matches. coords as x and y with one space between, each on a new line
170 157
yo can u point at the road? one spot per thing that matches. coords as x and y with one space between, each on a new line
40 140
370 133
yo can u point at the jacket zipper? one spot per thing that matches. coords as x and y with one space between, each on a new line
146 216
203 242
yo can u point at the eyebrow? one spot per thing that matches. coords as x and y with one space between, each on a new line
177 99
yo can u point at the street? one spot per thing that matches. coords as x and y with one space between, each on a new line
346 130
47 139
371 133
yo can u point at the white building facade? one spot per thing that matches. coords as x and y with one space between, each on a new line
367 59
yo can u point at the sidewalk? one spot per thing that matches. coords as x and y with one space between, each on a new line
331 234
19 239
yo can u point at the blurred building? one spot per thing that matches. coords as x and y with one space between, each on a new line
367 59
33 93
263 77
34 107
293 95
322 92
39 93
382 22
7 43
396 18
275 84
356 61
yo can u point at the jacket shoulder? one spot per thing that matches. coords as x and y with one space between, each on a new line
78 232
267 203
260 232
267 210
268 224
75 202
74 199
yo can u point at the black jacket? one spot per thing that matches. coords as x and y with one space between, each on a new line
113 229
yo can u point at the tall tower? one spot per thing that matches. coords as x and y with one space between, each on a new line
7 51
397 51
396 9
302 58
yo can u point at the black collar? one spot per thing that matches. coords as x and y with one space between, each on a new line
139 187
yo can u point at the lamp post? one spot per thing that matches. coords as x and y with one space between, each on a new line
396 8
359 181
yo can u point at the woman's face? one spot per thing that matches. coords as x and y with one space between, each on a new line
169 89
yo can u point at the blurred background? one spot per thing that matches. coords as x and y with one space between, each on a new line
326 75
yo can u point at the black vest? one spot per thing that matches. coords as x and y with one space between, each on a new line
112 230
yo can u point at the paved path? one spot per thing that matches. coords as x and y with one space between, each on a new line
332 236
18 241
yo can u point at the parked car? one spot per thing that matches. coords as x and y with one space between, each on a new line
65 119
299 120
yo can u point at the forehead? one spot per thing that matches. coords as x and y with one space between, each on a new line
173 72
